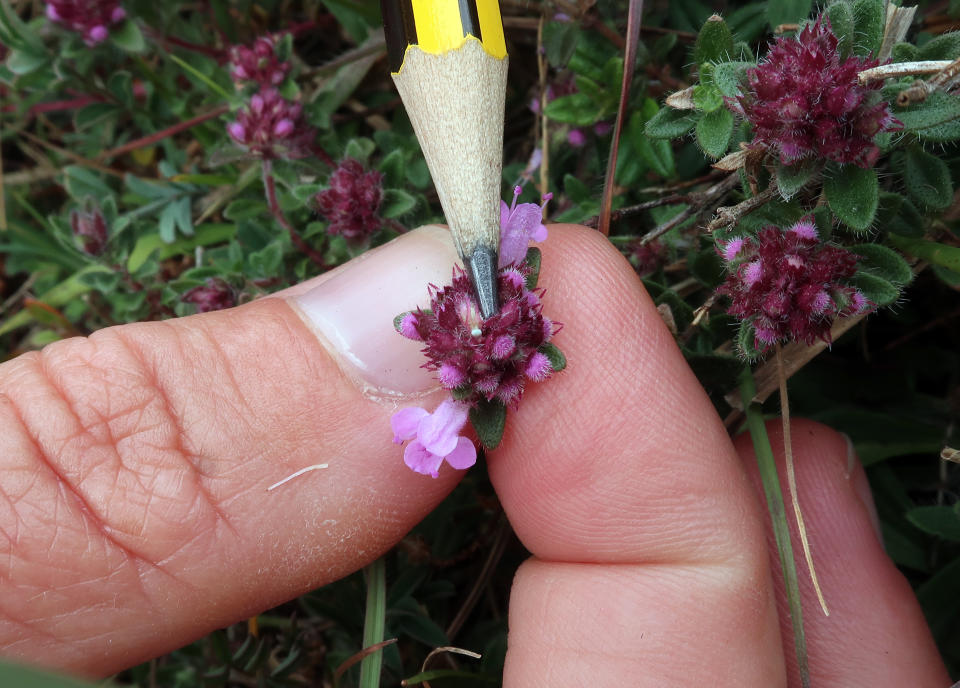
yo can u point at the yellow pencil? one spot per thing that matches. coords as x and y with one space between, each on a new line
449 62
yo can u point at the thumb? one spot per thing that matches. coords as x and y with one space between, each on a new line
134 463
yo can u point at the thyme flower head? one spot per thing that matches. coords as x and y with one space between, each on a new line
258 63
803 101
351 203
272 127
92 19
789 285
490 359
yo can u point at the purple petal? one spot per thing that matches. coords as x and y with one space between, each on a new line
420 460
463 455
438 432
539 233
98 34
405 423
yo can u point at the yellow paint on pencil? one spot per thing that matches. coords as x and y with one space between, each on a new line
440 27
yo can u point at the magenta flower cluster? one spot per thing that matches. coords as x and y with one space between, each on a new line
490 359
213 295
351 203
92 19
258 63
436 437
90 229
802 101
789 285
271 127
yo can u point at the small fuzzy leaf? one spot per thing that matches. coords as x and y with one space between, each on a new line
727 77
941 521
792 178
927 179
939 254
128 37
399 318
944 47
935 119
557 360
746 343
907 222
669 124
876 289
577 109
397 202
714 42
707 97
359 149
559 42
842 25
905 52
870 19
853 195
533 262
883 262
488 419
714 131
787 11
21 62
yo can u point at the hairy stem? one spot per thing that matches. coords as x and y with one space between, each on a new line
270 188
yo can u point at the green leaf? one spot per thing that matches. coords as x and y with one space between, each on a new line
876 289
939 599
904 52
657 153
128 37
669 124
727 77
559 42
714 131
82 183
557 360
21 62
746 343
853 194
577 109
714 42
397 202
749 22
907 222
575 189
883 262
941 521
205 235
533 260
245 209
25 677
707 97
935 119
57 296
392 168
787 12
792 178
842 24
488 419
944 47
869 20
356 18
939 254
927 179
359 149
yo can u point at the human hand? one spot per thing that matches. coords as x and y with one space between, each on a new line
134 464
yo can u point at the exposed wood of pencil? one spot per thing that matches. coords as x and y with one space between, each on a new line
455 102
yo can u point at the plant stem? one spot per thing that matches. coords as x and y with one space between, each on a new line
374 622
164 133
778 517
270 188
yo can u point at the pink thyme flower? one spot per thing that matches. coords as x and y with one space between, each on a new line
519 225
351 204
436 437
90 228
272 127
92 19
214 295
802 101
489 359
576 138
258 63
789 285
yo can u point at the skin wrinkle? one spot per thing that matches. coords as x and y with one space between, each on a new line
179 437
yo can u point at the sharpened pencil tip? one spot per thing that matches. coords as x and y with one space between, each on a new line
482 268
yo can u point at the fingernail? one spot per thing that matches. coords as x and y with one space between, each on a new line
352 311
861 487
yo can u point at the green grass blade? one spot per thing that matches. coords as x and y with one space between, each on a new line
778 516
374 623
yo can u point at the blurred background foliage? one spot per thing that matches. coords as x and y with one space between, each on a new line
124 198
